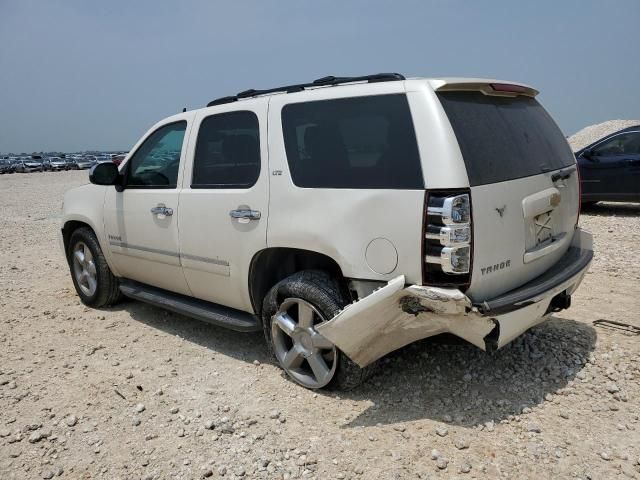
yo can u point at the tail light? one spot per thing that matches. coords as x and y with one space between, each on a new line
447 238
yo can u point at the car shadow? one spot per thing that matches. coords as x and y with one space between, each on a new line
245 346
608 209
440 378
462 385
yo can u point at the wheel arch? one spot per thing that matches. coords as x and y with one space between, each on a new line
271 265
71 226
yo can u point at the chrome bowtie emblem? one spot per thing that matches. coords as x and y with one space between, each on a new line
501 210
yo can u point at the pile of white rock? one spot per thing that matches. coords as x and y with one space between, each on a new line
592 133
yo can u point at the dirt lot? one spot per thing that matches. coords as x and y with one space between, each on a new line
136 392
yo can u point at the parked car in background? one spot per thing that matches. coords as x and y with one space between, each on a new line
610 168
27 166
6 166
84 163
58 164
46 165
14 163
36 162
72 163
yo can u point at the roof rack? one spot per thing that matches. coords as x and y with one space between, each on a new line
320 82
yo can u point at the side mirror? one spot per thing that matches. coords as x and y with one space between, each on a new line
588 154
104 174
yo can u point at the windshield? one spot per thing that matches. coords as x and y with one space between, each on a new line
504 138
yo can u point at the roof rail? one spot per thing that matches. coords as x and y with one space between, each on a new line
319 82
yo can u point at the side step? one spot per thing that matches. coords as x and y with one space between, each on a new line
192 307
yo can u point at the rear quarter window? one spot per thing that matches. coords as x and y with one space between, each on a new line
504 138
360 142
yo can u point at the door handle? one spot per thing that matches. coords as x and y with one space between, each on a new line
245 214
162 210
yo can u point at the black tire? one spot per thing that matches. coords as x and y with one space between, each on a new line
108 289
323 292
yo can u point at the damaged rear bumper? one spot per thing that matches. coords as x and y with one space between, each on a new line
395 315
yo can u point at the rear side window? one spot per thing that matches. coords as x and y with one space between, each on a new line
227 151
503 138
361 142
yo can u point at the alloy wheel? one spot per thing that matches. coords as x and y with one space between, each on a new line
84 269
308 357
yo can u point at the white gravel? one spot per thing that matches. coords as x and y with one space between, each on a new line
561 402
592 133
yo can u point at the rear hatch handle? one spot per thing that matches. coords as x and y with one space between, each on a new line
563 174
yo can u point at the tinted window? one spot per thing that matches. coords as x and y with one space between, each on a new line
362 142
156 162
227 151
505 138
623 144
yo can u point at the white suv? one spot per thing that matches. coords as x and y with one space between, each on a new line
346 218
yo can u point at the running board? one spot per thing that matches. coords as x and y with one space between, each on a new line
192 307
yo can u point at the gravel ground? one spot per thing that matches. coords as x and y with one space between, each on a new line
134 392
592 133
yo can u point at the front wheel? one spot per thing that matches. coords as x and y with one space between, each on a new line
95 284
291 311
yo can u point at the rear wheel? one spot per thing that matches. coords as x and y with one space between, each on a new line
95 284
291 311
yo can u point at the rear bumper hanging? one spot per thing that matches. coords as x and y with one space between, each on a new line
394 315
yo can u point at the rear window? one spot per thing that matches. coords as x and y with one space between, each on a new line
361 142
504 138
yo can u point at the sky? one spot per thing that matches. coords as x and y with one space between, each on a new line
83 75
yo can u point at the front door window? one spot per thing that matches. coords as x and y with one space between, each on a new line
155 164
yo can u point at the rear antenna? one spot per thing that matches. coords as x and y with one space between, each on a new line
184 109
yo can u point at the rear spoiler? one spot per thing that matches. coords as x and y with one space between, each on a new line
488 87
